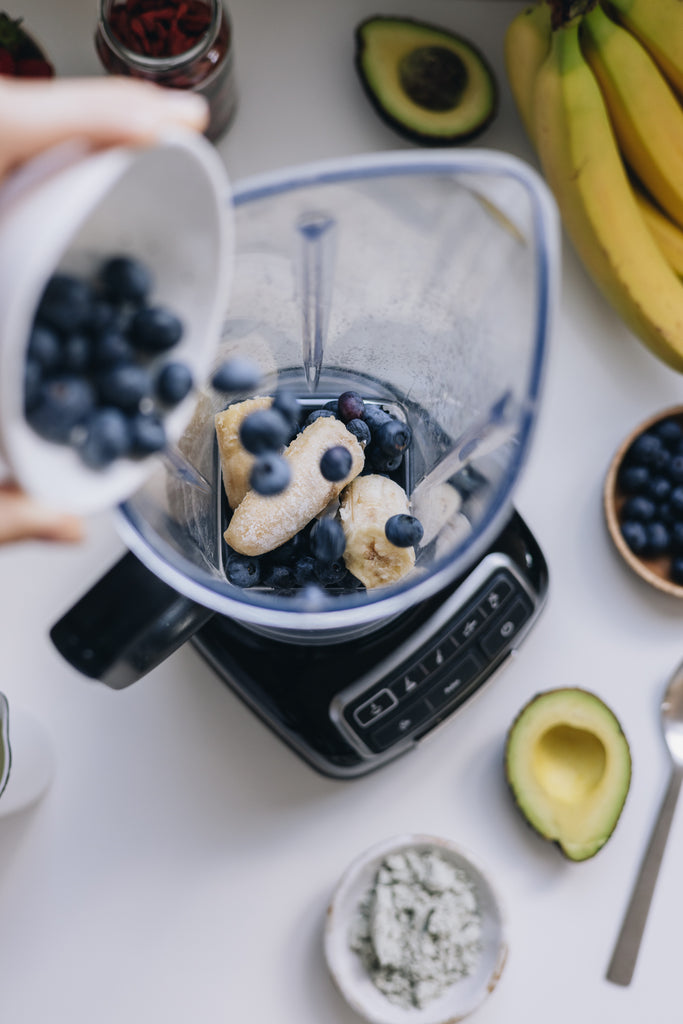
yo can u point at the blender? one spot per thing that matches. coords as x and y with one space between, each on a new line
426 283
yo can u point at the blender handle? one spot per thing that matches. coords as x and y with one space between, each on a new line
126 625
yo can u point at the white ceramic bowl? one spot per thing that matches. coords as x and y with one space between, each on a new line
348 971
168 205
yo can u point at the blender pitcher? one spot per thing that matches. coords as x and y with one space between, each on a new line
424 281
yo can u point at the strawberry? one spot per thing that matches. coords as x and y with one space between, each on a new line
6 62
33 67
19 55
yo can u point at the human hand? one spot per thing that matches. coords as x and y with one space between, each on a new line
107 111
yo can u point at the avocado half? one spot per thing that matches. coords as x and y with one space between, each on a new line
568 765
430 85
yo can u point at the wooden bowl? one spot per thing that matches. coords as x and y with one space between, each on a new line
655 570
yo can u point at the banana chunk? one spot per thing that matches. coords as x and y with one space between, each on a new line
365 506
236 462
260 524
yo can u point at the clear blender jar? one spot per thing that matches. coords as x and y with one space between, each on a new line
424 281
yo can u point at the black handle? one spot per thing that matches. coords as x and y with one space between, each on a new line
126 625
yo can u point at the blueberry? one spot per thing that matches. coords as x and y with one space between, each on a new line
44 347
147 433
378 461
264 430
291 550
332 406
236 374
675 469
107 438
155 329
639 508
403 531
330 573
304 570
125 279
669 431
677 538
635 535
279 577
676 571
288 406
33 376
311 597
645 450
316 415
270 474
125 385
676 500
242 570
360 430
174 382
658 489
76 353
101 316
393 437
375 416
327 540
110 346
633 479
65 303
335 463
658 538
350 406
61 404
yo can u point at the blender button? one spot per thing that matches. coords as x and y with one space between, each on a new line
496 596
499 636
408 681
375 707
468 626
459 675
402 725
438 656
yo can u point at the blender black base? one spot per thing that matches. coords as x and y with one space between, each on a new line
348 708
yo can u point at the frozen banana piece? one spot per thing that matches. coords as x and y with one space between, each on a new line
236 462
262 523
365 506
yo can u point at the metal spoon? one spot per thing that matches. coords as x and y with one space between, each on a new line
623 962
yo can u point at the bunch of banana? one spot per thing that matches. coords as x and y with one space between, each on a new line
598 86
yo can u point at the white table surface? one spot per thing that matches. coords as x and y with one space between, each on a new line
179 867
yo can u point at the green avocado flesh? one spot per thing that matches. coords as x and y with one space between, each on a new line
431 86
568 765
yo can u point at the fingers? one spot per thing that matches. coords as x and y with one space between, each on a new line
21 518
109 110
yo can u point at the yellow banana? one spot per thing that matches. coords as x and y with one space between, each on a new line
667 235
646 115
526 45
658 24
584 169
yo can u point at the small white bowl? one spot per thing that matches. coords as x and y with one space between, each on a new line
168 205
348 971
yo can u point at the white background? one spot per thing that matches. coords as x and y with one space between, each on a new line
179 868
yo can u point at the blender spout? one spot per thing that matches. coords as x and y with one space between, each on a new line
317 251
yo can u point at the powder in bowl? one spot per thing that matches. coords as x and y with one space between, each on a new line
418 929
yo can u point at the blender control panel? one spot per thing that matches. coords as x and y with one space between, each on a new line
444 671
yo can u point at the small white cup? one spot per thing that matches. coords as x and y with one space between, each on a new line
168 205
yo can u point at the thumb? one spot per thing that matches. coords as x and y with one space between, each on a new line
22 518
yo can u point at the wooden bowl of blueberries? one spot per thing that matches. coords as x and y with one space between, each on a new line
643 500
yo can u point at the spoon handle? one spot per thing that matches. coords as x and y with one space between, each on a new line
623 962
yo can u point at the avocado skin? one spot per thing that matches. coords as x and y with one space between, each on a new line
446 38
620 753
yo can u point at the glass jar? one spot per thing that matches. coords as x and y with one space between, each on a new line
180 44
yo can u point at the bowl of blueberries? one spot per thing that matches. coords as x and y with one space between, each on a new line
110 325
643 500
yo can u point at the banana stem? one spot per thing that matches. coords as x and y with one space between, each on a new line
564 11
